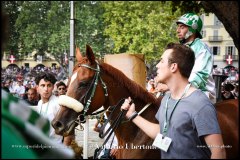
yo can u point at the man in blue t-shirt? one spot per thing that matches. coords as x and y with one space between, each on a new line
188 125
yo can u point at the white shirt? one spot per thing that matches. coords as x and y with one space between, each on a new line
112 141
19 90
49 110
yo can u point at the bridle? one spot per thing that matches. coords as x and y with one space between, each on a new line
91 90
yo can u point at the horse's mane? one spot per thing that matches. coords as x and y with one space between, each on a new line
135 90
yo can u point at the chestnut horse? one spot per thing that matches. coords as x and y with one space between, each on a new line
96 85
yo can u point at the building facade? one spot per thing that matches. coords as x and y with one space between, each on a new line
221 44
29 61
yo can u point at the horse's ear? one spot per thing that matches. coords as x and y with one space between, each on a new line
89 54
78 54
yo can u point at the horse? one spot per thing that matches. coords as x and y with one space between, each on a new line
228 117
96 85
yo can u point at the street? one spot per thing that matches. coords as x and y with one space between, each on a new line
93 139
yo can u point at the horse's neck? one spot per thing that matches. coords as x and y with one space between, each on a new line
118 93
119 89
127 131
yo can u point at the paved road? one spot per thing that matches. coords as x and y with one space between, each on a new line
93 139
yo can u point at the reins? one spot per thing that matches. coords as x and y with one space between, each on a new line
82 117
115 123
111 129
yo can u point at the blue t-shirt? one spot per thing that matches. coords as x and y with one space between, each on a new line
193 117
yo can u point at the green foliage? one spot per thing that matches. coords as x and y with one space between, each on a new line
140 27
188 6
108 26
11 9
90 27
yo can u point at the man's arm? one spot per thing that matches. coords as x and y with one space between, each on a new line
202 68
215 144
151 129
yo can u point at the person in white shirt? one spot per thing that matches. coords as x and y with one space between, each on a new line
110 148
48 105
20 89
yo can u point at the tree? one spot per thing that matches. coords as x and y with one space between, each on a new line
109 27
32 27
11 8
90 27
140 26
228 13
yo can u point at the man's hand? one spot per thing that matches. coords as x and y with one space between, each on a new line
96 128
130 108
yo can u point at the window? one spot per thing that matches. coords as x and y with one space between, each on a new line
215 33
230 50
215 50
203 32
216 21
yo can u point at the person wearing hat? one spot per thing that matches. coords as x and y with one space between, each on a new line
189 28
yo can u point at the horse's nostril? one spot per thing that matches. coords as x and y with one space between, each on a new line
58 124
58 127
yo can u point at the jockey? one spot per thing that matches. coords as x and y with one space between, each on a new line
189 33
189 28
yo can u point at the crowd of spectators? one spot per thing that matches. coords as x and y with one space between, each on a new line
229 89
20 82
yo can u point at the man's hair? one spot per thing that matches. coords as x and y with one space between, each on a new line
32 89
46 77
61 84
183 56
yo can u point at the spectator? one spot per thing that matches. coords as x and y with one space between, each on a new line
151 86
48 105
20 89
227 91
11 87
235 92
32 96
5 85
110 148
61 88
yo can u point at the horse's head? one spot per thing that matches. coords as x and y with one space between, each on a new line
85 89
